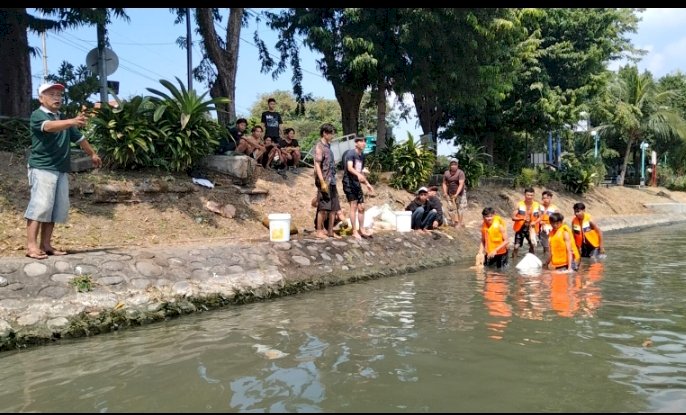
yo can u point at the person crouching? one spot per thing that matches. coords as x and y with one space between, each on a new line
423 216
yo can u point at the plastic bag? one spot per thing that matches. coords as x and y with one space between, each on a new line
533 236
529 264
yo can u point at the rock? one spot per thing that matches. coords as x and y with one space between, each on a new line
227 210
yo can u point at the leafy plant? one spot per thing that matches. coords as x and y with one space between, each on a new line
82 283
473 161
413 165
526 178
186 131
125 136
385 156
576 176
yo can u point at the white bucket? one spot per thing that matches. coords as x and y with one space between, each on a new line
403 220
279 227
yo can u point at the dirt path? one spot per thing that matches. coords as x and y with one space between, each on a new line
164 209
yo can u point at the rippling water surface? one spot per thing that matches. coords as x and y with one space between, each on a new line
609 338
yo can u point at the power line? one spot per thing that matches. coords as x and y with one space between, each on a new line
224 28
80 47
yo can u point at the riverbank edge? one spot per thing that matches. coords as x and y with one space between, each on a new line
39 304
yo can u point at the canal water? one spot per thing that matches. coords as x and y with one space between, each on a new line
610 338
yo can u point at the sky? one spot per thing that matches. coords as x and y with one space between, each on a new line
147 52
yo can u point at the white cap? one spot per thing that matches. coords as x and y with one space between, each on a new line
49 85
453 160
422 189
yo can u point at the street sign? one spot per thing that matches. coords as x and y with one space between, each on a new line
111 61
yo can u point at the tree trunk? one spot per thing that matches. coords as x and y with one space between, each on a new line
429 114
625 163
224 59
381 115
489 144
349 99
15 64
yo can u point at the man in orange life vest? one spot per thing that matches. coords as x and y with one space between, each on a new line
493 239
563 253
547 208
526 218
587 235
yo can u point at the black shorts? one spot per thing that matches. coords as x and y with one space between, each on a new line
521 235
588 251
498 261
575 267
353 191
328 201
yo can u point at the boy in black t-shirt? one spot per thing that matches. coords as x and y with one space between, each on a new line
272 122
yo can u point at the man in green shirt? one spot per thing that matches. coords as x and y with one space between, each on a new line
48 169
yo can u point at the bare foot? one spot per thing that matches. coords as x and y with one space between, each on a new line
37 254
321 235
356 235
366 235
335 236
53 251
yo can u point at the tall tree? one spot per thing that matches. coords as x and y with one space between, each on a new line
452 56
641 112
561 66
347 60
381 27
674 149
223 54
15 52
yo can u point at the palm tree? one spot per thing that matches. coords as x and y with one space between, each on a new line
640 112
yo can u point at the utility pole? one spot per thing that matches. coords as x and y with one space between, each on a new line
45 57
102 72
189 50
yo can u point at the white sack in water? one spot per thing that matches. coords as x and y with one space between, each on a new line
530 263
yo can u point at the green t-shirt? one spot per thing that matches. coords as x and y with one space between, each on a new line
50 151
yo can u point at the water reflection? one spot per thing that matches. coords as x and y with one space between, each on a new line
294 387
535 296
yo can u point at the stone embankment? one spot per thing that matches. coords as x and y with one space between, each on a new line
40 301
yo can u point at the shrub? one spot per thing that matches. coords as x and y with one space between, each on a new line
473 161
526 178
125 136
413 165
576 176
15 135
186 131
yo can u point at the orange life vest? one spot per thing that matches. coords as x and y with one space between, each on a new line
558 248
492 234
523 213
583 231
